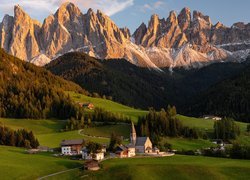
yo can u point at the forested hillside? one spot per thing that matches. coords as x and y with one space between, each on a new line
229 98
27 91
125 82
142 87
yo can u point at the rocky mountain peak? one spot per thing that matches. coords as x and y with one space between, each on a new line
239 25
172 17
18 11
219 25
90 12
184 19
198 16
139 33
126 32
67 11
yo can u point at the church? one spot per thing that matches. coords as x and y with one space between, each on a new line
141 144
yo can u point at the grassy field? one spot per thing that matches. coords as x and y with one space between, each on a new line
207 125
175 167
48 131
37 126
17 164
109 105
187 144
105 131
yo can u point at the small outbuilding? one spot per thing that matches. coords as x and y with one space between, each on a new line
91 165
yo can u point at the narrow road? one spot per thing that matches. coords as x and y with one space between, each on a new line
61 172
80 132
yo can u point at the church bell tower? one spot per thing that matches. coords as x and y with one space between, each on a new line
133 134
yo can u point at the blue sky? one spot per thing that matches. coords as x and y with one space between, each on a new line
132 13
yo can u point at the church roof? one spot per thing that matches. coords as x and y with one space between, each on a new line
140 141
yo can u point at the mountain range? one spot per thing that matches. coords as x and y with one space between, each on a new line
188 40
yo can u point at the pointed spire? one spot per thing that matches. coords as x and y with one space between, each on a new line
132 127
133 134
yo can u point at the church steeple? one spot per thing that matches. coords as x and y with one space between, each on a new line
133 134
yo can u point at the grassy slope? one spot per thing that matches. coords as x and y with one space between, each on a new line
104 131
207 125
176 167
16 164
109 105
47 131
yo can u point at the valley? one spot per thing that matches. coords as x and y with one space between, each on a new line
49 134
84 97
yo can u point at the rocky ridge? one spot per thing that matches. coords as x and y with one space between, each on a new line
181 40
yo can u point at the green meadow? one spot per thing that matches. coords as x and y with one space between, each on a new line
109 106
175 167
17 164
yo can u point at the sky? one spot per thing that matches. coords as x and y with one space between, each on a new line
131 13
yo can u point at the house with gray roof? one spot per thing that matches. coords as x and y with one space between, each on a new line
72 147
142 144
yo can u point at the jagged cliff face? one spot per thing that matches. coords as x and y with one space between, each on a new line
180 40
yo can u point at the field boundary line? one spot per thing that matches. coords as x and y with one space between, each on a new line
57 173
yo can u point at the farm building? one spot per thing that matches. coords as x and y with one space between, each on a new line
91 165
72 147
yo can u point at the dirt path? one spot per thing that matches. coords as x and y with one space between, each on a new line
61 172
80 132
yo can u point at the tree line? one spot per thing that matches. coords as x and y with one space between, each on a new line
18 138
164 123
226 129
84 119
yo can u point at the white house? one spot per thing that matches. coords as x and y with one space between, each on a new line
66 150
95 156
98 156
131 150
71 147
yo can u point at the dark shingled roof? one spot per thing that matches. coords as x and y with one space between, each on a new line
140 141
72 142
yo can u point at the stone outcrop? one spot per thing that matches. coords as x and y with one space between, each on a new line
183 39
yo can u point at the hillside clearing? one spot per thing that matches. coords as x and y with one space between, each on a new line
109 105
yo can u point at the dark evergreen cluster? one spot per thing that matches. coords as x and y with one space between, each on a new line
99 115
27 91
239 151
18 138
164 123
115 141
228 98
226 129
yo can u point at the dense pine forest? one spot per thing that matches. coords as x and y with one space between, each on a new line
27 91
228 98
144 88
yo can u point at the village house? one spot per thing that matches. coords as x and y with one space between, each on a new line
95 156
72 147
125 151
86 105
216 118
142 144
